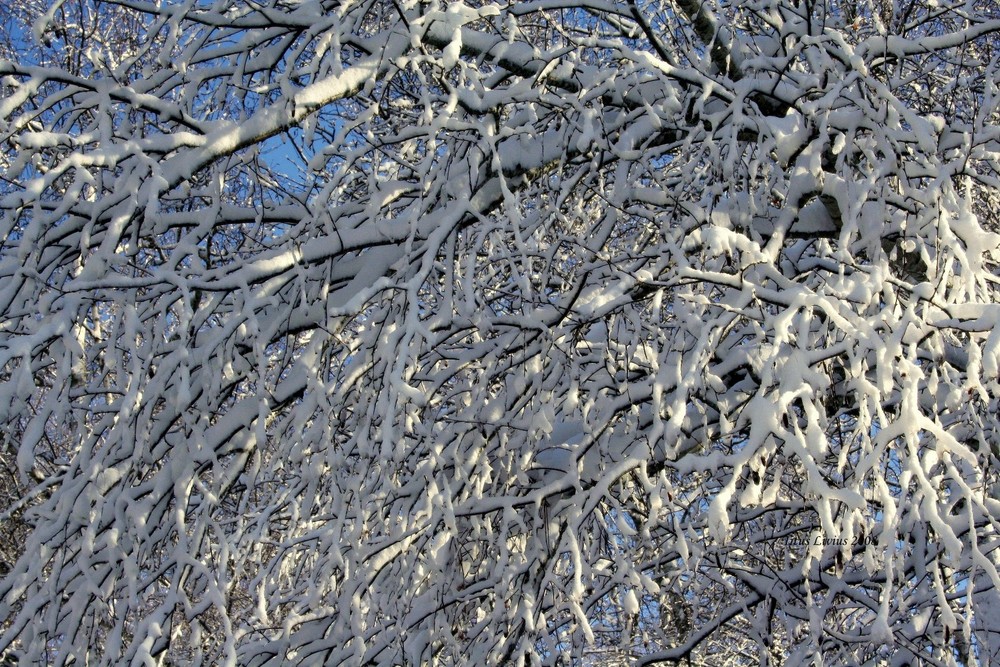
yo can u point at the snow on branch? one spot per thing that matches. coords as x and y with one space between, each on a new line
549 332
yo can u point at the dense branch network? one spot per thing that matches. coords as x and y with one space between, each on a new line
552 332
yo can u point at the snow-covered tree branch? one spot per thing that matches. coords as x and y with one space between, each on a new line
550 332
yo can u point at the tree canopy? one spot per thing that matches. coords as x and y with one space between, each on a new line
551 332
